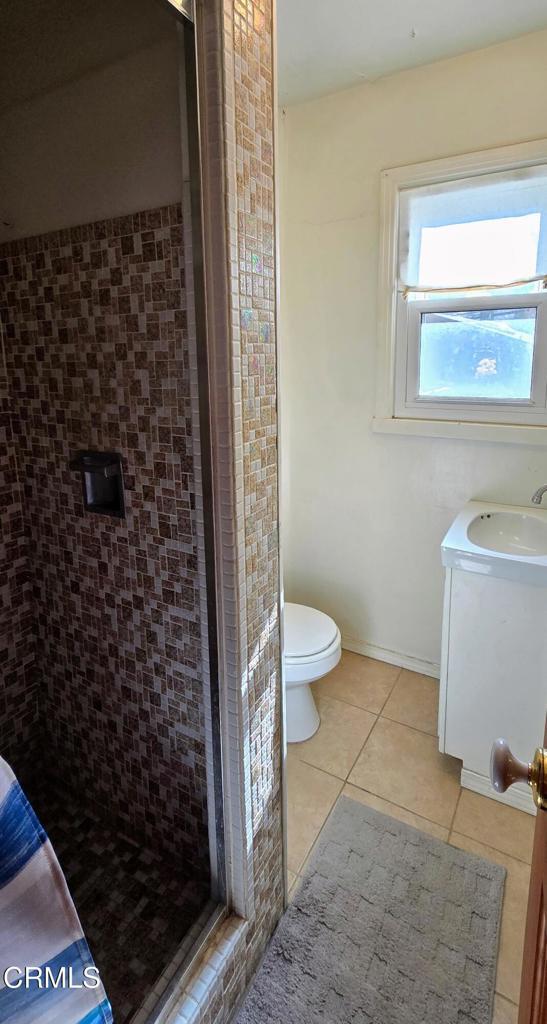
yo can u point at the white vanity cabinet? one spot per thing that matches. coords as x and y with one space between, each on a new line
494 643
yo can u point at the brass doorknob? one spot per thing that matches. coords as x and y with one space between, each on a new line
505 769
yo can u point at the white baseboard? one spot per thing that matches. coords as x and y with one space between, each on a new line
517 796
426 668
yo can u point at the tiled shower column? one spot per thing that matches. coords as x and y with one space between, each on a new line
235 58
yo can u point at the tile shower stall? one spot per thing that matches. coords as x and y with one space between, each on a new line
102 703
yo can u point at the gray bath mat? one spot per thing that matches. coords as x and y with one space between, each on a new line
390 926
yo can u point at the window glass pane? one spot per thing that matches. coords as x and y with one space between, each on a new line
480 251
484 229
483 353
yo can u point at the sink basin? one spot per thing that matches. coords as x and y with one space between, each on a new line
505 541
513 533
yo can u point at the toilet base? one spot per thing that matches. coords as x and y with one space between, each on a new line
302 716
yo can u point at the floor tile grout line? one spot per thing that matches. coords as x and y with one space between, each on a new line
310 764
386 718
449 828
397 721
453 818
395 681
344 778
347 782
489 846
349 704
422 732
339 778
360 706
506 998
322 770
401 807
312 847
377 715
374 724
380 714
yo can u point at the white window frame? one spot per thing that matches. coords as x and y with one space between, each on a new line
397 408
409 403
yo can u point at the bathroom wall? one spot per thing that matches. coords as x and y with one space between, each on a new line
364 514
94 306
96 349
18 690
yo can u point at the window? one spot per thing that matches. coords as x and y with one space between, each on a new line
463 290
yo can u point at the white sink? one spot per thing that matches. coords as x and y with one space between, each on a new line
512 533
499 540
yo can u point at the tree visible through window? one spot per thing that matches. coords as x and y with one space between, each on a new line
478 353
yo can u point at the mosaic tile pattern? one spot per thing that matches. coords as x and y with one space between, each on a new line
135 905
18 688
97 358
236 69
248 58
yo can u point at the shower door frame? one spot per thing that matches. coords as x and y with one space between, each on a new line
196 291
159 1005
228 774
218 370
228 770
208 208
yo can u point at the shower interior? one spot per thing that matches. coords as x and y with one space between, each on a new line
103 628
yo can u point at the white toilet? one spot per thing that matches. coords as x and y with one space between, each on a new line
312 648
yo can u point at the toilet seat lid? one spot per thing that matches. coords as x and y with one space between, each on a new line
307 631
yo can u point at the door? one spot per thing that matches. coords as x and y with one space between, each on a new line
506 769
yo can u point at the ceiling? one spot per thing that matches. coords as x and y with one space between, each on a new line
325 46
322 46
44 43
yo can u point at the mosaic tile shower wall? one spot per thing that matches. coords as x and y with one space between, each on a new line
248 70
18 689
97 358
237 66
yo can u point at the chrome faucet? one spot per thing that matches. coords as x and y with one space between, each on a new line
538 495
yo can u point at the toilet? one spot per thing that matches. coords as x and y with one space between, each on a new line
313 647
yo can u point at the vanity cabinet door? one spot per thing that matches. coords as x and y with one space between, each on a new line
494 679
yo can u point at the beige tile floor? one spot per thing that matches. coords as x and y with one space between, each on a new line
377 744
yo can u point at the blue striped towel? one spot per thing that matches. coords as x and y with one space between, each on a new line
47 974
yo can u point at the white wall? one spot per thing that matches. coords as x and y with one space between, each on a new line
363 514
102 145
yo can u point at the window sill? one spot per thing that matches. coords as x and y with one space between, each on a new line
504 433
